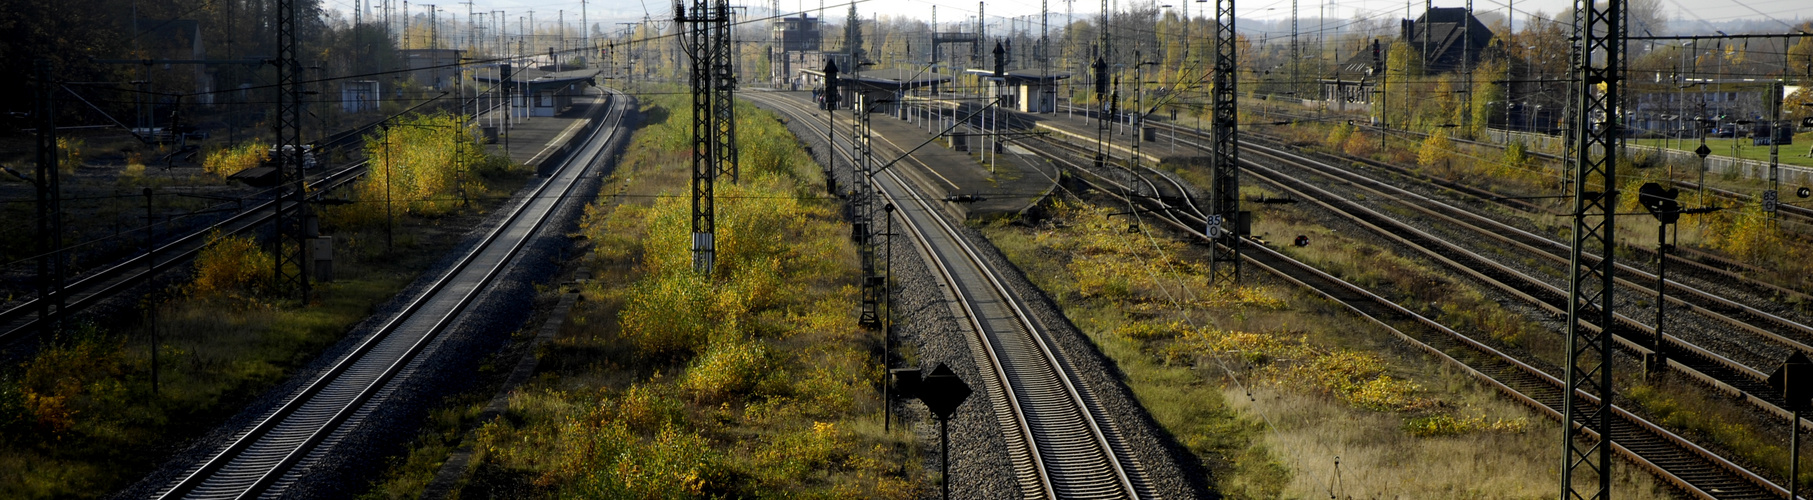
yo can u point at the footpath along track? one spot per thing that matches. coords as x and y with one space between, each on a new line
1061 440
261 460
1670 456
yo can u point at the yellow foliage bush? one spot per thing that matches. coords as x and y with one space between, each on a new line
793 454
69 154
1109 264
1747 233
229 160
1436 150
422 164
1358 145
668 316
725 369
53 389
229 267
1337 137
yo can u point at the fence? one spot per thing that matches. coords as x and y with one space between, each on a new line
1715 164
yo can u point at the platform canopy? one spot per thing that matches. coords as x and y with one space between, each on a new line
888 79
536 79
1019 76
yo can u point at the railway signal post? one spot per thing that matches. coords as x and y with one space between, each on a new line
942 393
1795 381
1660 203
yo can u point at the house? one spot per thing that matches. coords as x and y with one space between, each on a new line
177 40
359 96
1448 39
1670 107
436 68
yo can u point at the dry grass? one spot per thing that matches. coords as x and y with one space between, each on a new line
1278 383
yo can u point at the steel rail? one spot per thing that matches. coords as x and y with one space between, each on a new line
1713 369
1556 251
98 285
1700 261
261 455
94 286
1038 406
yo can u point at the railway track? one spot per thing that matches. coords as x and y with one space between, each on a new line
1762 338
1670 456
20 320
1696 260
1061 440
1799 216
263 459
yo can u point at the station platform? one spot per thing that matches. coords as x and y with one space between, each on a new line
1161 147
963 179
534 141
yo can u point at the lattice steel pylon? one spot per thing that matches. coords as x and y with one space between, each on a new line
862 208
696 32
1224 149
289 274
1599 32
724 84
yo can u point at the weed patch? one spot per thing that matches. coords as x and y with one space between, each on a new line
752 381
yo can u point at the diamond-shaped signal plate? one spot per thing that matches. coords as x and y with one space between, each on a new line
1703 151
943 392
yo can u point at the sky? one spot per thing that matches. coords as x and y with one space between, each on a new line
608 11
